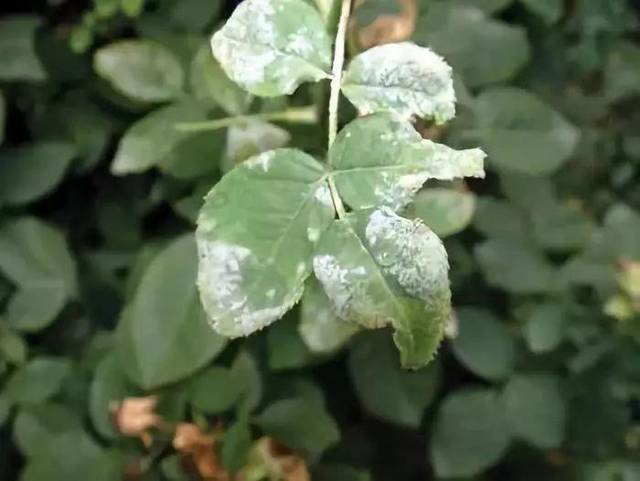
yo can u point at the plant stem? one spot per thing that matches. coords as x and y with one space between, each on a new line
334 96
300 115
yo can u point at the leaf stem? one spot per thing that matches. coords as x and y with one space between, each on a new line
299 115
334 96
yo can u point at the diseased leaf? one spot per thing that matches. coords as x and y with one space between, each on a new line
379 269
154 140
444 211
536 410
521 133
29 173
481 49
320 328
384 389
245 141
141 70
471 433
381 160
302 426
483 344
37 381
18 58
210 84
36 258
255 250
163 332
402 78
269 47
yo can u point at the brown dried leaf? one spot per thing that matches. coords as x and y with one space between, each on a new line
135 416
198 451
280 462
387 28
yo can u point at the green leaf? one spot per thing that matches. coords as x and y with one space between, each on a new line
471 433
321 329
382 160
246 370
214 390
236 445
255 250
211 85
499 218
13 347
164 335
339 472
535 409
141 70
515 267
483 344
18 58
545 327
621 231
31 172
37 381
521 133
403 396
36 427
302 426
444 211
487 6
481 49
285 347
549 10
109 385
379 269
402 78
622 72
269 47
154 140
36 258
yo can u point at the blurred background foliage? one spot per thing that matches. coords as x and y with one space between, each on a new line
108 370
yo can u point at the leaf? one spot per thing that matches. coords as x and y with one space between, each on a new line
154 141
545 327
549 10
339 472
141 70
487 6
321 329
402 78
381 160
622 71
163 332
380 22
481 49
31 172
515 267
211 85
246 141
483 344
536 410
109 386
269 47
214 390
255 250
37 381
379 269
470 434
246 370
285 347
18 58
403 396
236 444
499 218
36 427
36 258
444 211
304 427
527 136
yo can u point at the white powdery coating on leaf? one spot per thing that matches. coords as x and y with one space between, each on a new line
404 78
323 195
262 161
397 190
445 163
411 253
255 54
